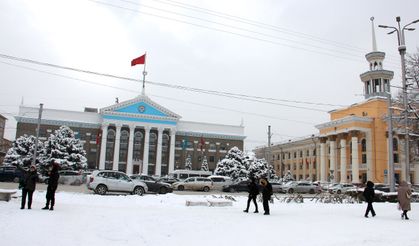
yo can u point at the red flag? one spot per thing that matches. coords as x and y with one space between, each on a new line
138 60
98 137
202 143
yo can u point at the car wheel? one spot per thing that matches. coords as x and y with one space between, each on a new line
339 191
206 188
232 189
101 189
291 191
138 191
163 190
311 191
180 187
16 180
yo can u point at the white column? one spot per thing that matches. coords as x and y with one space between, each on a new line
297 166
370 171
333 168
355 160
146 149
159 152
130 149
304 164
343 172
172 151
416 174
323 162
103 147
116 150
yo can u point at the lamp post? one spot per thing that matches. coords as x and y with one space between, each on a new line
402 51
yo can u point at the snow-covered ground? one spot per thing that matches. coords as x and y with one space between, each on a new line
87 219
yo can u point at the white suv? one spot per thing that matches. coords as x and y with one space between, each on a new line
194 183
103 181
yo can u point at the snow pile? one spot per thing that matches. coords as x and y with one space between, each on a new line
155 220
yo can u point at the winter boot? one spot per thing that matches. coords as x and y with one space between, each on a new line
51 208
22 207
45 208
256 212
246 211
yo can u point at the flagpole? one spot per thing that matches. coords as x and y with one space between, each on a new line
144 73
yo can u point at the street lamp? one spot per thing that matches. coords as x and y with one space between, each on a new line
402 51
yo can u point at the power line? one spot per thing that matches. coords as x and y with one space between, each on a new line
230 32
212 92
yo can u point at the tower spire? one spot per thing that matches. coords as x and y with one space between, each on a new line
374 42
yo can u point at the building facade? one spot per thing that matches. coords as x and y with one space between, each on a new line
137 136
4 143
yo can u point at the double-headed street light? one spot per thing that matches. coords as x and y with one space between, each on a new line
402 51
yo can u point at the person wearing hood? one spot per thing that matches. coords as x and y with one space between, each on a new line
30 178
266 194
369 198
52 185
403 195
253 193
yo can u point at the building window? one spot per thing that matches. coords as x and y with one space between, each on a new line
211 158
165 149
301 154
152 146
364 150
308 152
295 155
123 147
110 142
212 146
395 150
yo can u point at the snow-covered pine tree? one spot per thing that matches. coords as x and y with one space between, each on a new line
21 152
188 163
233 165
260 168
64 148
204 165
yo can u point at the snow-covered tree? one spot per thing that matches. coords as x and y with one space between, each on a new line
237 165
204 165
288 176
188 163
64 148
21 152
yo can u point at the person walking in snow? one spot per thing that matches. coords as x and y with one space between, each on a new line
30 178
403 195
369 198
266 194
52 185
253 193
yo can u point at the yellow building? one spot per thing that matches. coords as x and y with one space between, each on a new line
353 146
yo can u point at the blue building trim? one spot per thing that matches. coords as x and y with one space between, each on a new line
114 117
142 108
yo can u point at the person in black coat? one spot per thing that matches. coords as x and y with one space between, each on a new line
52 185
253 193
266 194
369 198
30 178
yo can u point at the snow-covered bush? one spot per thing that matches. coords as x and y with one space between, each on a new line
204 165
21 152
64 148
188 163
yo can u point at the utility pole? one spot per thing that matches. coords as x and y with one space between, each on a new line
390 144
269 146
402 51
37 133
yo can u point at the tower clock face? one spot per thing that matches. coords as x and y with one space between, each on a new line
141 109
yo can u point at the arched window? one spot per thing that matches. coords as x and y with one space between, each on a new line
110 144
138 142
123 147
165 148
364 150
152 146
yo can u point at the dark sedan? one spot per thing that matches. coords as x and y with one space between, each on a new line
10 173
237 186
153 185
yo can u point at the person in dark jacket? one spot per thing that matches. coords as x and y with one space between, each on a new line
369 198
52 185
253 193
30 178
266 194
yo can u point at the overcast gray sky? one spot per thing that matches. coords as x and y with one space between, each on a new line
311 51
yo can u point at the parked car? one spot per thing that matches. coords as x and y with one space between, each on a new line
237 186
382 187
10 174
301 187
68 177
168 180
220 181
341 188
103 181
276 187
152 184
194 183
